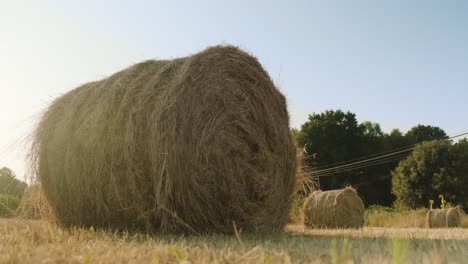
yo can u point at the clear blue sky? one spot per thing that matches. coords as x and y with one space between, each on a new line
399 63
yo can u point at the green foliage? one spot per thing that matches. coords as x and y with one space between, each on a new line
333 137
371 129
330 137
421 133
88 257
336 136
8 205
11 190
395 140
334 252
375 208
178 253
426 173
345 255
9 184
400 250
460 151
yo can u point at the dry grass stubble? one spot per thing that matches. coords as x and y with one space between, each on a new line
26 241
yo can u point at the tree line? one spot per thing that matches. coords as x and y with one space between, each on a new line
433 164
11 190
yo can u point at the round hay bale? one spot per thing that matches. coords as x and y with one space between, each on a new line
33 205
334 209
436 218
453 217
196 144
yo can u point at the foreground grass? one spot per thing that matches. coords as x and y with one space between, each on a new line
24 241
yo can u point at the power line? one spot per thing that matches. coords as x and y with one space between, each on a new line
459 135
369 162
409 147
363 161
368 156
362 166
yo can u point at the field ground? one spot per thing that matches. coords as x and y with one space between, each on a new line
28 241
385 217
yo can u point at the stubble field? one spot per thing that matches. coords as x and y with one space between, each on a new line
28 241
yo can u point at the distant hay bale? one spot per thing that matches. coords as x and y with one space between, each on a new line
193 144
436 218
33 204
334 209
453 217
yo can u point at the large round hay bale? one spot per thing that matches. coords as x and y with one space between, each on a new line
194 144
334 209
33 204
436 218
453 217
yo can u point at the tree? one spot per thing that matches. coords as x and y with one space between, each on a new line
333 137
371 138
460 151
371 129
8 205
425 174
375 180
9 185
395 140
421 133
328 138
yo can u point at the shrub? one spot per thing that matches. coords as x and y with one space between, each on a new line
8 205
425 174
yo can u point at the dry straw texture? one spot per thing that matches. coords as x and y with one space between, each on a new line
194 144
33 204
453 218
334 209
436 218
443 218
305 183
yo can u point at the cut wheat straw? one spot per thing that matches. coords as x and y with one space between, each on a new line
443 218
33 204
188 145
334 209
